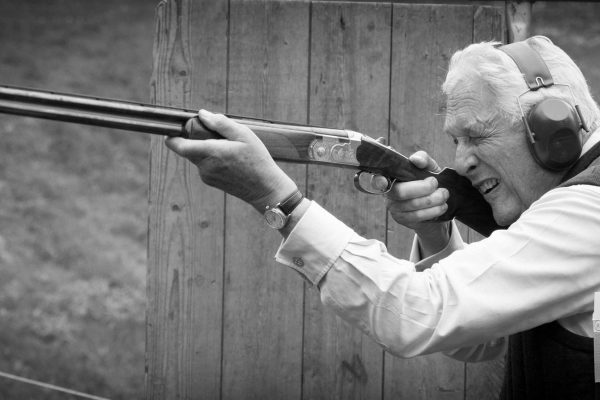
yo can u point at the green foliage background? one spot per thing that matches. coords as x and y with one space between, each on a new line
73 199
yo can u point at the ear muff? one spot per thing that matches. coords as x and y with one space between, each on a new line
553 124
553 129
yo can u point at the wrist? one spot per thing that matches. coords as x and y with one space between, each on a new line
279 191
295 217
278 215
433 237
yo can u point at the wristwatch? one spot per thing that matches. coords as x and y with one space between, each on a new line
277 216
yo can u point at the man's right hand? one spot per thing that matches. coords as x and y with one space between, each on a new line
415 203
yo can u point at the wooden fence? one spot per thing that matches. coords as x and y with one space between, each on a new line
224 320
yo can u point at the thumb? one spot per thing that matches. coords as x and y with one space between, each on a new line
226 127
424 161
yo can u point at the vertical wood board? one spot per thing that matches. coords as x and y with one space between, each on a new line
185 240
484 379
424 39
224 320
349 88
268 78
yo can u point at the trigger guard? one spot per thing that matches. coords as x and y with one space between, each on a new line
357 182
390 183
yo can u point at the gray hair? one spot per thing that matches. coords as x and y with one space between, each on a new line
500 75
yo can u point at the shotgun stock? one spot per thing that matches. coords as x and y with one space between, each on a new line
286 142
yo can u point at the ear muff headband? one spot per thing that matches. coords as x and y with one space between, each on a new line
534 69
552 125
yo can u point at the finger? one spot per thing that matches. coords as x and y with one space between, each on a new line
413 189
188 148
225 126
380 183
424 161
437 198
417 216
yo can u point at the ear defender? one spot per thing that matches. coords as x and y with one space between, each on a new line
552 125
553 129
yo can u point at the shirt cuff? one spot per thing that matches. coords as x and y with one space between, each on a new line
455 243
314 244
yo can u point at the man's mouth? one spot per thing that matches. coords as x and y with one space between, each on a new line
487 186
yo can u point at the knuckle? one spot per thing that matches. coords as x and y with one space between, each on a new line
440 196
428 201
433 182
438 210
421 153
421 215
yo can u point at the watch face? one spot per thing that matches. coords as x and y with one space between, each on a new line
275 218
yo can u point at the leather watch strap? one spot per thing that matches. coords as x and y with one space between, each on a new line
288 205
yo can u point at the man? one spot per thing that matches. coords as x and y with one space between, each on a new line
459 299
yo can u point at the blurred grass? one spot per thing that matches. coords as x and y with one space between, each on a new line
73 214
73 199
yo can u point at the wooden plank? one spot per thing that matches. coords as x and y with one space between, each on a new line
185 237
268 78
424 38
236 333
484 380
518 16
349 88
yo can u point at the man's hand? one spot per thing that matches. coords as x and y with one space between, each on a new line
414 204
239 164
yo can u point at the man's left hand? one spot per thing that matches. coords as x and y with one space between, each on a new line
239 164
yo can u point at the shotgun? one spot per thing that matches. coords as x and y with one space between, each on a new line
286 142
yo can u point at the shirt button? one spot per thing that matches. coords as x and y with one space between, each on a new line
298 262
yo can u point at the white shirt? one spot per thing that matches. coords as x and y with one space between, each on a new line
545 267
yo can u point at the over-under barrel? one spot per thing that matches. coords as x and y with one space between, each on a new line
286 142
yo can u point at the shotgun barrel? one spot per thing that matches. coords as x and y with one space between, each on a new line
285 142
93 111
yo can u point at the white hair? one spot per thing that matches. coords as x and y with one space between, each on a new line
501 76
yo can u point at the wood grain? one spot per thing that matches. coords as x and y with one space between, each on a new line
484 380
424 39
268 78
185 234
226 322
349 88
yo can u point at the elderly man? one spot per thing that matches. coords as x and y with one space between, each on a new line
524 143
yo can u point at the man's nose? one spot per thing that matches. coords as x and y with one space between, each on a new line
464 159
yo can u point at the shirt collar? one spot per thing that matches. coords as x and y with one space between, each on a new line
592 140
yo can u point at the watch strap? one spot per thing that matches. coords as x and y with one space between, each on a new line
288 205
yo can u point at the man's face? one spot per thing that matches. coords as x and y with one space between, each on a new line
494 155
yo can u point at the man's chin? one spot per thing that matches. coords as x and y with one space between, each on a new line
504 218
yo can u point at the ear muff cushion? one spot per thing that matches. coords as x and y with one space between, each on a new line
555 127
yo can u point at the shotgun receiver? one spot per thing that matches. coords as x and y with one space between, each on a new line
285 142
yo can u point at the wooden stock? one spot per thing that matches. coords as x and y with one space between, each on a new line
285 142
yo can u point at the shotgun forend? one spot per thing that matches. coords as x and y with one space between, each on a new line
285 142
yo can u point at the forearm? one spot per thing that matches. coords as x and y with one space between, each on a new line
363 283
461 302
424 258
